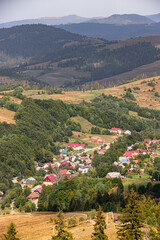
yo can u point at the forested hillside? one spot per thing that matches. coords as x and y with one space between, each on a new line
41 123
63 59
113 32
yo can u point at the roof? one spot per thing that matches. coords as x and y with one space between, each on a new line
113 175
63 172
66 164
155 141
124 160
30 182
147 140
101 138
115 129
35 188
50 178
130 153
75 145
64 151
39 190
33 195
55 166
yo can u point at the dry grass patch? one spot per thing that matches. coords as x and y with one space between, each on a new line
7 116
36 226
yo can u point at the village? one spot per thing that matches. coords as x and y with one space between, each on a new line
75 159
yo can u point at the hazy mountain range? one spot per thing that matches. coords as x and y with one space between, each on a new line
125 19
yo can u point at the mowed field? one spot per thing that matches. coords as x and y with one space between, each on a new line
37 226
144 97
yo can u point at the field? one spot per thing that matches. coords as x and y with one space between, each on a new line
85 125
145 97
37 226
7 116
136 179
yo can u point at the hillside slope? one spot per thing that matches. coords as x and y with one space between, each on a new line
63 59
113 32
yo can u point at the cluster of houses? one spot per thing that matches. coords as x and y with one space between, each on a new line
125 160
69 163
119 131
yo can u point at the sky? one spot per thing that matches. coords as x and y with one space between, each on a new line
11 10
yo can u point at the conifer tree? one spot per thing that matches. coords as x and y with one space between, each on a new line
99 227
60 227
132 219
11 233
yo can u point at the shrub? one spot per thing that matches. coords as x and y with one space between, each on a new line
91 214
72 221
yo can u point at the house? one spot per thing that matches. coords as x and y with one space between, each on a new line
117 131
35 188
32 196
115 164
49 180
121 165
39 190
127 132
102 151
46 165
113 175
123 160
14 180
64 152
84 169
88 161
65 173
135 161
142 171
155 141
30 182
66 164
83 158
100 140
130 154
76 146
144 151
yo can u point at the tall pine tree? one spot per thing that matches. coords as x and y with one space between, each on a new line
132 219
11 233
62 234
99 227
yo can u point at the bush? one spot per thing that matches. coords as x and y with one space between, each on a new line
136 88
72 221
91 214
156 94
81 219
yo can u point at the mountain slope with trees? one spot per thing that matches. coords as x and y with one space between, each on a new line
55 56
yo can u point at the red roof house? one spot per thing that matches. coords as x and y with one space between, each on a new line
49 180
131 153
100 140
66 164
76 145
116 130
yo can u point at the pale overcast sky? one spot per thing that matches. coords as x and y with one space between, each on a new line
11 10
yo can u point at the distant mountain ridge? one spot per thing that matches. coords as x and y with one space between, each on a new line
116 19
155 17
47 21
125 19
